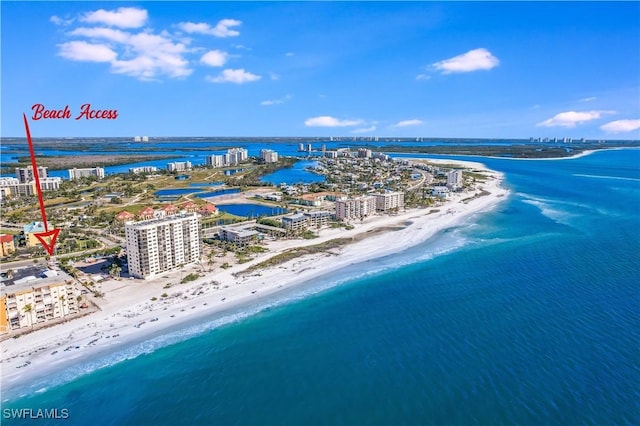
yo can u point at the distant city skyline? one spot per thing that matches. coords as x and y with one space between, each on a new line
321 69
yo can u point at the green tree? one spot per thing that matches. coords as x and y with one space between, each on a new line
28 310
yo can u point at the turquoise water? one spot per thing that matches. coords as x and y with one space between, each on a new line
251 210
526 315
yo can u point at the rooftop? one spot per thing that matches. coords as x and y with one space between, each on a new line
32 227
32 277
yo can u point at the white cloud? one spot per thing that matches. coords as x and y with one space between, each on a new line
238 76
473 60
222 28
570 119
364 130
621 126
83 51
289 54
273 76
589 99
328 121
214 58
123 17
116 38
110 34
276 101
423 77
407 123
143 55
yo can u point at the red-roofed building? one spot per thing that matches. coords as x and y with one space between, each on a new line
208 210
146 213
170 209
6 245
190 207
125 216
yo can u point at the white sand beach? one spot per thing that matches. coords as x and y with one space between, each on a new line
128 315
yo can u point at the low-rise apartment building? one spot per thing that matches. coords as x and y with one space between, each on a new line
37 300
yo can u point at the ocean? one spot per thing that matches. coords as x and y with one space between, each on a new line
528 314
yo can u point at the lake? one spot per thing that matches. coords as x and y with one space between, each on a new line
251 210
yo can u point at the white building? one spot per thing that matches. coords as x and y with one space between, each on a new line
11 187
35 300
295 222
179 166
440 191
235 156
215 160
364 153
25 174
238 235
91 171
144 169
50 183
268 156
158 245
389 201
454 179
355 208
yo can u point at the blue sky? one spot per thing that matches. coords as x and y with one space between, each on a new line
451 69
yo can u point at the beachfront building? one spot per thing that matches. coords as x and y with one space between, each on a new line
440 191
156 246
25 174
301 221
31 229
239 236
179 166
268 156
215 160
35 300
295 222
454 180
86 172
7 245
319 218
389 201
355 208
143 169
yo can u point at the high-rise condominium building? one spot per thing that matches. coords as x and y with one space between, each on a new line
268 156
355 208
87 172
454 179
158 245
25 174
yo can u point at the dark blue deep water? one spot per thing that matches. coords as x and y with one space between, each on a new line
526 315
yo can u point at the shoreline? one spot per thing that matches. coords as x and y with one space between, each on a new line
128 318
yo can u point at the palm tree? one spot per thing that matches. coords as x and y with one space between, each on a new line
115 270
28 309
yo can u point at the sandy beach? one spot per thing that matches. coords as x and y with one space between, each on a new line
128 315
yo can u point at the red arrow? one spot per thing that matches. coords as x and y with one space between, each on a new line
46 238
